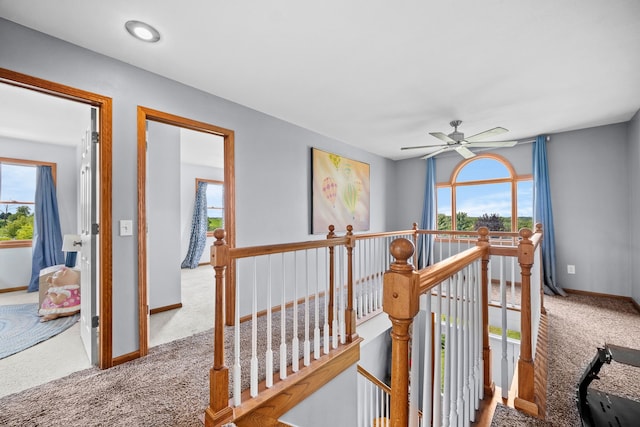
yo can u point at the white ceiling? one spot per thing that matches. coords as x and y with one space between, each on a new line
380 74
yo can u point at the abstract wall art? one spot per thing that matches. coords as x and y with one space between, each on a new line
340 192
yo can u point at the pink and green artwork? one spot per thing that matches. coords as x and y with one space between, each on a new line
341 192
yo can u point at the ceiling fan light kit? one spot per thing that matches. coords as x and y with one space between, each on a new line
456 141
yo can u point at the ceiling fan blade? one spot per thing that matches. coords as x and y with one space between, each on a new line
465 152
442 137
487 133
435 153
420 146
492 144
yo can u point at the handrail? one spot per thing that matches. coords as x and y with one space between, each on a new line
434 274
252 251
373 379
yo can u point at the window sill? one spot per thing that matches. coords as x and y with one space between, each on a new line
10 244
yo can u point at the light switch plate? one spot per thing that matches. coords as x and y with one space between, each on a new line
126 227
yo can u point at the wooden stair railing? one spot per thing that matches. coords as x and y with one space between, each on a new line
269 398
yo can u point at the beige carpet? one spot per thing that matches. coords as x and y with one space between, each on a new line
169 387
578 325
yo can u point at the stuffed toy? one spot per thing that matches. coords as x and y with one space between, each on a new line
63 295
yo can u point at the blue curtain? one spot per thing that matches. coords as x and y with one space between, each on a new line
428 220
47 236
199 226
543 213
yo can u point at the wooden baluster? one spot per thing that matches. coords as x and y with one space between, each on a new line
219 409
350 314
489 385
401 303
525 400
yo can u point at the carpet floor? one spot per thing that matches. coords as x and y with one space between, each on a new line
170 386
578 325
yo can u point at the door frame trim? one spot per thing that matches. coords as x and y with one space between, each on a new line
145 114
105 281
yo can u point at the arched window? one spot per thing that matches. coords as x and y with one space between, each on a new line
485 191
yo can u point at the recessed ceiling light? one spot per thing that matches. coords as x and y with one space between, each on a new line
142 31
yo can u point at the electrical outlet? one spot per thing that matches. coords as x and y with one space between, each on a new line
571 269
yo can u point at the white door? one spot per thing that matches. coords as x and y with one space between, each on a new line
89 236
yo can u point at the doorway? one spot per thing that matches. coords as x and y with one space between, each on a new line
151 119
101 196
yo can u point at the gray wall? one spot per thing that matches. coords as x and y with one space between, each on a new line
590 198
634 202
15 264
272 156
321 408
163 214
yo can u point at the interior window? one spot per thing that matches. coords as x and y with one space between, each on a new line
17 197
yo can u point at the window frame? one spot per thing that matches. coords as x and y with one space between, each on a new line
513 179
9 244
216 182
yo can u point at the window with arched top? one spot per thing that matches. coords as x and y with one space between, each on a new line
485 191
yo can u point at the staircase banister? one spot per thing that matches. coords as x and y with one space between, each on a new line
252 251
432 275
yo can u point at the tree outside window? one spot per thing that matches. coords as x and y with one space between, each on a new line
17 195
485 191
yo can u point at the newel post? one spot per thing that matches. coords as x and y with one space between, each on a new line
350 313
483 241
401 302
218 410
525 400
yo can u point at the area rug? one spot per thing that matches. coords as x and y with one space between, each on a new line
20 327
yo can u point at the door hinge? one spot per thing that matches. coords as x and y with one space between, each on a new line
95 228
95 137
95 321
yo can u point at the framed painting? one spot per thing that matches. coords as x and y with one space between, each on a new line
340 192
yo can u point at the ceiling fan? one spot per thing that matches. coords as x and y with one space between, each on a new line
456 141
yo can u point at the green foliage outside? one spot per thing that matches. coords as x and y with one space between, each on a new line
16 226
214 223
510 334
494 222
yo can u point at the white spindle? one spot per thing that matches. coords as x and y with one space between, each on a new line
336 296
254 334
455 353
316 304
514 302
295 343
446 409
307 343
504 361
325 306
283 322
428 383
414 377
237 370
437 369
268 358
